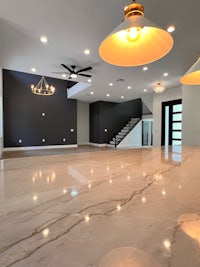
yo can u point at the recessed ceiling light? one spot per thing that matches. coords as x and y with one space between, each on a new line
89 80
129 87
110 84
145 90
108 95
122 97
33 69
91 93
64 75
165 74
145 68
86 51
171 28
43 39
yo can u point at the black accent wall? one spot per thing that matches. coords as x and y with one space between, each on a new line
111 116
23 119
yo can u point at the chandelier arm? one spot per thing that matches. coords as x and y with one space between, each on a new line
45 84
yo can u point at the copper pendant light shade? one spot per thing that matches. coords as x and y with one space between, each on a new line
136 41
192 76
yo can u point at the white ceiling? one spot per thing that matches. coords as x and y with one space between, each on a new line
74 25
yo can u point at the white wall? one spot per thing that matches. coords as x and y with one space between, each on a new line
82 123
191 115
1 112
148 100
168 95
134 138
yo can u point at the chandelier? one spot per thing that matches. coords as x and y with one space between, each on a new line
159 88
136 41
42 88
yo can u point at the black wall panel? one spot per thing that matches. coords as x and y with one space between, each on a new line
23 111
111 116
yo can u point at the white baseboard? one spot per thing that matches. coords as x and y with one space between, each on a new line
99 145
84 144
130 146
37 147
108 145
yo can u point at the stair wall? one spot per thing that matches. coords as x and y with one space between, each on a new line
133 138
108 118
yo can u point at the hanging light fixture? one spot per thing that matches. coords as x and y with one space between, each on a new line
192 76
159 88
42 88
136 41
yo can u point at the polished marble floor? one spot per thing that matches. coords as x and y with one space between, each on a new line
112 208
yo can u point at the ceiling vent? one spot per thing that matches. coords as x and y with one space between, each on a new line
120 80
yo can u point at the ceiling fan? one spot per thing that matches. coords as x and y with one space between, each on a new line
73 73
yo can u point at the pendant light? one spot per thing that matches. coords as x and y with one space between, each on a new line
192 76
136 41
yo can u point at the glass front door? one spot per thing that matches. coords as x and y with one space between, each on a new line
171 123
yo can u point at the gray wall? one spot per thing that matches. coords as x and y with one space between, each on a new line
33 120
82 123
191 118
147 99
168 95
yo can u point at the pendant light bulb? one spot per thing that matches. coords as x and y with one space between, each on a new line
133 34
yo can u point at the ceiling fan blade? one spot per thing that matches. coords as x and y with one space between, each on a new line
85 69
67 68
85 75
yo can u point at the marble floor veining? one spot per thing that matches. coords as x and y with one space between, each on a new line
112 208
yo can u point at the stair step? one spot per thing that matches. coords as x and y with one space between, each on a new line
119 136
124 130
126 127
112 142
134 120
121 133
130 124
117 139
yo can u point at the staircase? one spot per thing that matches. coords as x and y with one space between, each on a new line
124 131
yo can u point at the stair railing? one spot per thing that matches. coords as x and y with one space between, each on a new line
130 128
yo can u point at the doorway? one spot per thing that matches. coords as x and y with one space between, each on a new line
171 123
147 132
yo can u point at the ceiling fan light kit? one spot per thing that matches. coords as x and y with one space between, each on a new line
136 41
192 76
